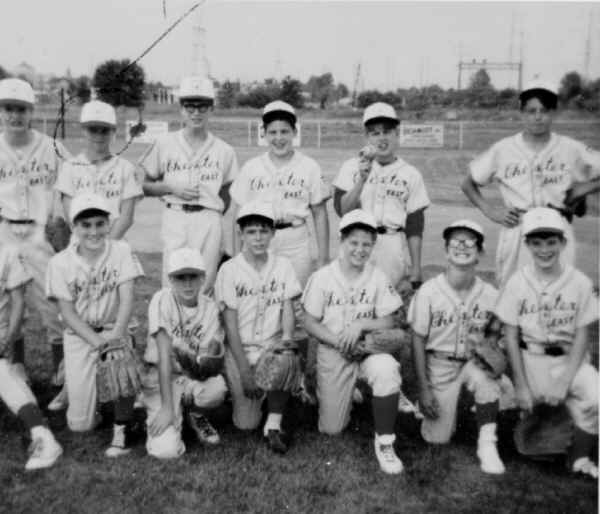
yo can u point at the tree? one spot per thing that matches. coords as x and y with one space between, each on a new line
321 88
120 83
226 96
480 80
571 86
291 92
3 73
341 91
81 89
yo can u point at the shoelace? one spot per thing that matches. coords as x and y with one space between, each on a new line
36 447
119 439
387 451
204 425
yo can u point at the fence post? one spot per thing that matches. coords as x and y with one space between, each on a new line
318 134
249 133
460 135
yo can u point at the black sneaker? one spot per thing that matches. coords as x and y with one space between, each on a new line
205 432
277 441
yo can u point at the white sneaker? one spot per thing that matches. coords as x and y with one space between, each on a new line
44 451
585 466
19 370
489 458
386 455
205 432
118 445
60 401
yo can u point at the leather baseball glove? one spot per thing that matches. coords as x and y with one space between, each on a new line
547 430
381 341
118 371
203 363
58 233
487 350
278 368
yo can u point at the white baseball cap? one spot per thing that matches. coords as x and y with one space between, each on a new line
278 106
379 110
98 113
185 260
358 217
539 85
543 219
474 227
85 202
256 208
16 90
196 87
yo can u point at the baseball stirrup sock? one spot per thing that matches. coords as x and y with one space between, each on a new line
385 410
486 413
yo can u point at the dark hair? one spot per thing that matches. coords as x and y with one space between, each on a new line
346 231
279 116
545 235
388 123
548 99
255 219
478 237
90 213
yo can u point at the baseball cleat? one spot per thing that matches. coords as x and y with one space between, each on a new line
585 467
386 455
205 432
276 441
118 445
43 452
60 401
487 452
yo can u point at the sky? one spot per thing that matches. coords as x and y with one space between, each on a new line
398 44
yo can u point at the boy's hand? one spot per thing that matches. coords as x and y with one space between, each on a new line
349 337
251 390
524 398
428 404
185 193
161 421
557 391
506 216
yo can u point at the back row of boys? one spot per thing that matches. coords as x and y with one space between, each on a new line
382 200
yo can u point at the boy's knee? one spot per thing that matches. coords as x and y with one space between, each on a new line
382 373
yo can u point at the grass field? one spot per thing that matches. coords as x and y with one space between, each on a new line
319 474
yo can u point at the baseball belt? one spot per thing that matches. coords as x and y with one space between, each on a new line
552 349
449 356
282 226
20 222
185 207
388 230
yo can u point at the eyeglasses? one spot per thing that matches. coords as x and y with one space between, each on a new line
18 109
98 130
190 107
464 243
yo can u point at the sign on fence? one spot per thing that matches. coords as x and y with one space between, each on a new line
153 130
261 134
422 136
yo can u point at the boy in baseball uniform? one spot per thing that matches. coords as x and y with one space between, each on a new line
28 170
446 313
255 290
14 391
183 324
96 170
342 302
547 308
293 184
392 191
191 170
92 281
534 168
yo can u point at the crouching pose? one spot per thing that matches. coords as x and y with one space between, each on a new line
92 281
547 308
184 357
255 290
448 314
14 391
343 301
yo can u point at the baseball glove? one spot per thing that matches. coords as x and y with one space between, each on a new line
118 371
58 233
547 430
278 368
487 350
381 341
204 362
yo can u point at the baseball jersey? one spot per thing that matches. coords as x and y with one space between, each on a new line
171 159
548 313
336 302
93 289
291 189
113 179
437 313
257 296
27 177
12 275
527 179
389 193
190 328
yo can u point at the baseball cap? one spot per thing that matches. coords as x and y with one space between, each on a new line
16 90
99 113
85 202
379 110
543 219
185 260
278 107
467 225
539 85
196 87
256 208
358 217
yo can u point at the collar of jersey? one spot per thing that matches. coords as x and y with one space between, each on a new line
83 263
189 151
259 275
270 166
363 278
520 143
445 287
557 284
27 150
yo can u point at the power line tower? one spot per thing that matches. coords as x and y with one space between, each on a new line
200 64
588 47
357 83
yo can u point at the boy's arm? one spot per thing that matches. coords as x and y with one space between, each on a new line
165 415
522 390
77 325
251 390
66 203
321 218
316 329
288 320
125 219
236 242
125 291
17 306
507 216
427 402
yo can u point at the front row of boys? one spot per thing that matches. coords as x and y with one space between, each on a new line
546 309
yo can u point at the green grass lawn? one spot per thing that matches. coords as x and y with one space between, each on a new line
319 473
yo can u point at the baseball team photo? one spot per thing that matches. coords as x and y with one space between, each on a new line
305 256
